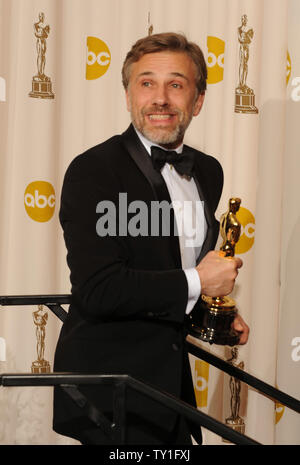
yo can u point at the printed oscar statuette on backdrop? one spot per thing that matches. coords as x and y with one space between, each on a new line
244 95
41 84
40 318
211 320
234 421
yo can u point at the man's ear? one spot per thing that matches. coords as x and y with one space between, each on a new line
198 104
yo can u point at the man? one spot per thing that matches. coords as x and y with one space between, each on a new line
131 293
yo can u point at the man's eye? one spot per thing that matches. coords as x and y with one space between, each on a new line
146 84
176 85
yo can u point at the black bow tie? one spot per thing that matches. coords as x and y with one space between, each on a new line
182 162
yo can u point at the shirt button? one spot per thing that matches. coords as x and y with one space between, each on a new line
175 347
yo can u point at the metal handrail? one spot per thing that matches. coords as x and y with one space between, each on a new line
54 302
72 380
258 384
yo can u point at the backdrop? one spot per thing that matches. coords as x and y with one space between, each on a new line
249 122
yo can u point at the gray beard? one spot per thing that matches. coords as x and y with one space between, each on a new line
167 139
163 139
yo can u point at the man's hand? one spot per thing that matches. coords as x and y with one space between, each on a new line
217 274
240 326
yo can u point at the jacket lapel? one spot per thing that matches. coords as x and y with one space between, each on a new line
212 223
142 159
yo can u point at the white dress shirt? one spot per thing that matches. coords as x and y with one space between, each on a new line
190 219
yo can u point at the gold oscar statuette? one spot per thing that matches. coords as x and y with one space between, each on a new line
41 84
211 320
40 318
235 421
244 95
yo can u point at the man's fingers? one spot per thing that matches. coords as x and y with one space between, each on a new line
242 327
239 262
217 273
238 326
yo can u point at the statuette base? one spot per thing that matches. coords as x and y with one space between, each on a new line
237 424
41 89
40 366
212 321
245 101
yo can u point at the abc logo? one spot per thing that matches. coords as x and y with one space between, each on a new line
246 239
39 201
201 382
215 59
288 68
97 59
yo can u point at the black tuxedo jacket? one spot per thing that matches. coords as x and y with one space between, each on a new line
129 294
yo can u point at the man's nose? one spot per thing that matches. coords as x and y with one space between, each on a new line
160 96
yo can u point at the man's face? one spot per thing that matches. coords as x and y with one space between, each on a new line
162 96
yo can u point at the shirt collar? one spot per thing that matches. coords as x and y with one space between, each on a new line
148 143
